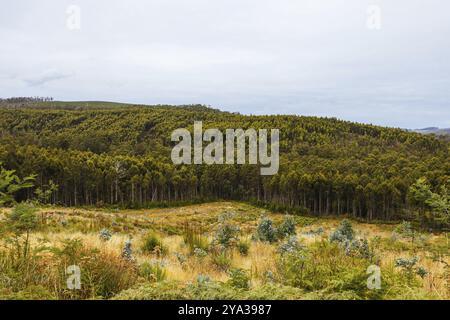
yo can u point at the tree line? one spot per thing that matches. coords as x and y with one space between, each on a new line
121 156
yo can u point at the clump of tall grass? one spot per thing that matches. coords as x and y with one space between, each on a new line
103 274
152 243
193 238
221 260
243 247
153 271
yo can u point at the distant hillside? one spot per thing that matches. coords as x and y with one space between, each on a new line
434 130
103 152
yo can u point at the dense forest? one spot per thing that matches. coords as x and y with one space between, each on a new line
93 153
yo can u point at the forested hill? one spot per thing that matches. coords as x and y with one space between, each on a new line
108 153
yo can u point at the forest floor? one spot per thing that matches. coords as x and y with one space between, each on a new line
174 255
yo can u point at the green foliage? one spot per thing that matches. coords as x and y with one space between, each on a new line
266 231
193 238
290 246
120 155
410 268
42 274
152 243
343 233
406 230
127 251
200 253
437 204
153 271
44 195
287 227
10 184
103 274
20 222
221 260
243 247
324 267
227 235
23 218
105 234
239 278
208 290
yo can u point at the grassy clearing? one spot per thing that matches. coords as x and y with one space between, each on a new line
214 251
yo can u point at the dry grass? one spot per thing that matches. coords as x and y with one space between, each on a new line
85 224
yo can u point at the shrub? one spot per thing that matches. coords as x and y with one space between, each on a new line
287 227
324 266
290 246
266 231
203 279
410 268
315 232
127 251
226 235
239 278
343 233
33 292
405 230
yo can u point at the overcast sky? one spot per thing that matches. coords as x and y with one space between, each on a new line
306 57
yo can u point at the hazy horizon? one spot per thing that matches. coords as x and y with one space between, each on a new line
313 58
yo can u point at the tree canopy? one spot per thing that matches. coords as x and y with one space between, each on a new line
105 153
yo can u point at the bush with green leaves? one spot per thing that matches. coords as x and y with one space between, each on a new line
20 223
226 235
405 230
344 236
360 248
287 227
315 232
433 207
44 194
410 268
127 251
239 278
10 184
182 259
343 233
266 231
292 245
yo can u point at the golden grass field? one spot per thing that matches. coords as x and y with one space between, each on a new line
169 224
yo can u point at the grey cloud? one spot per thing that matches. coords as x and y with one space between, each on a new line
45 77
313 57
